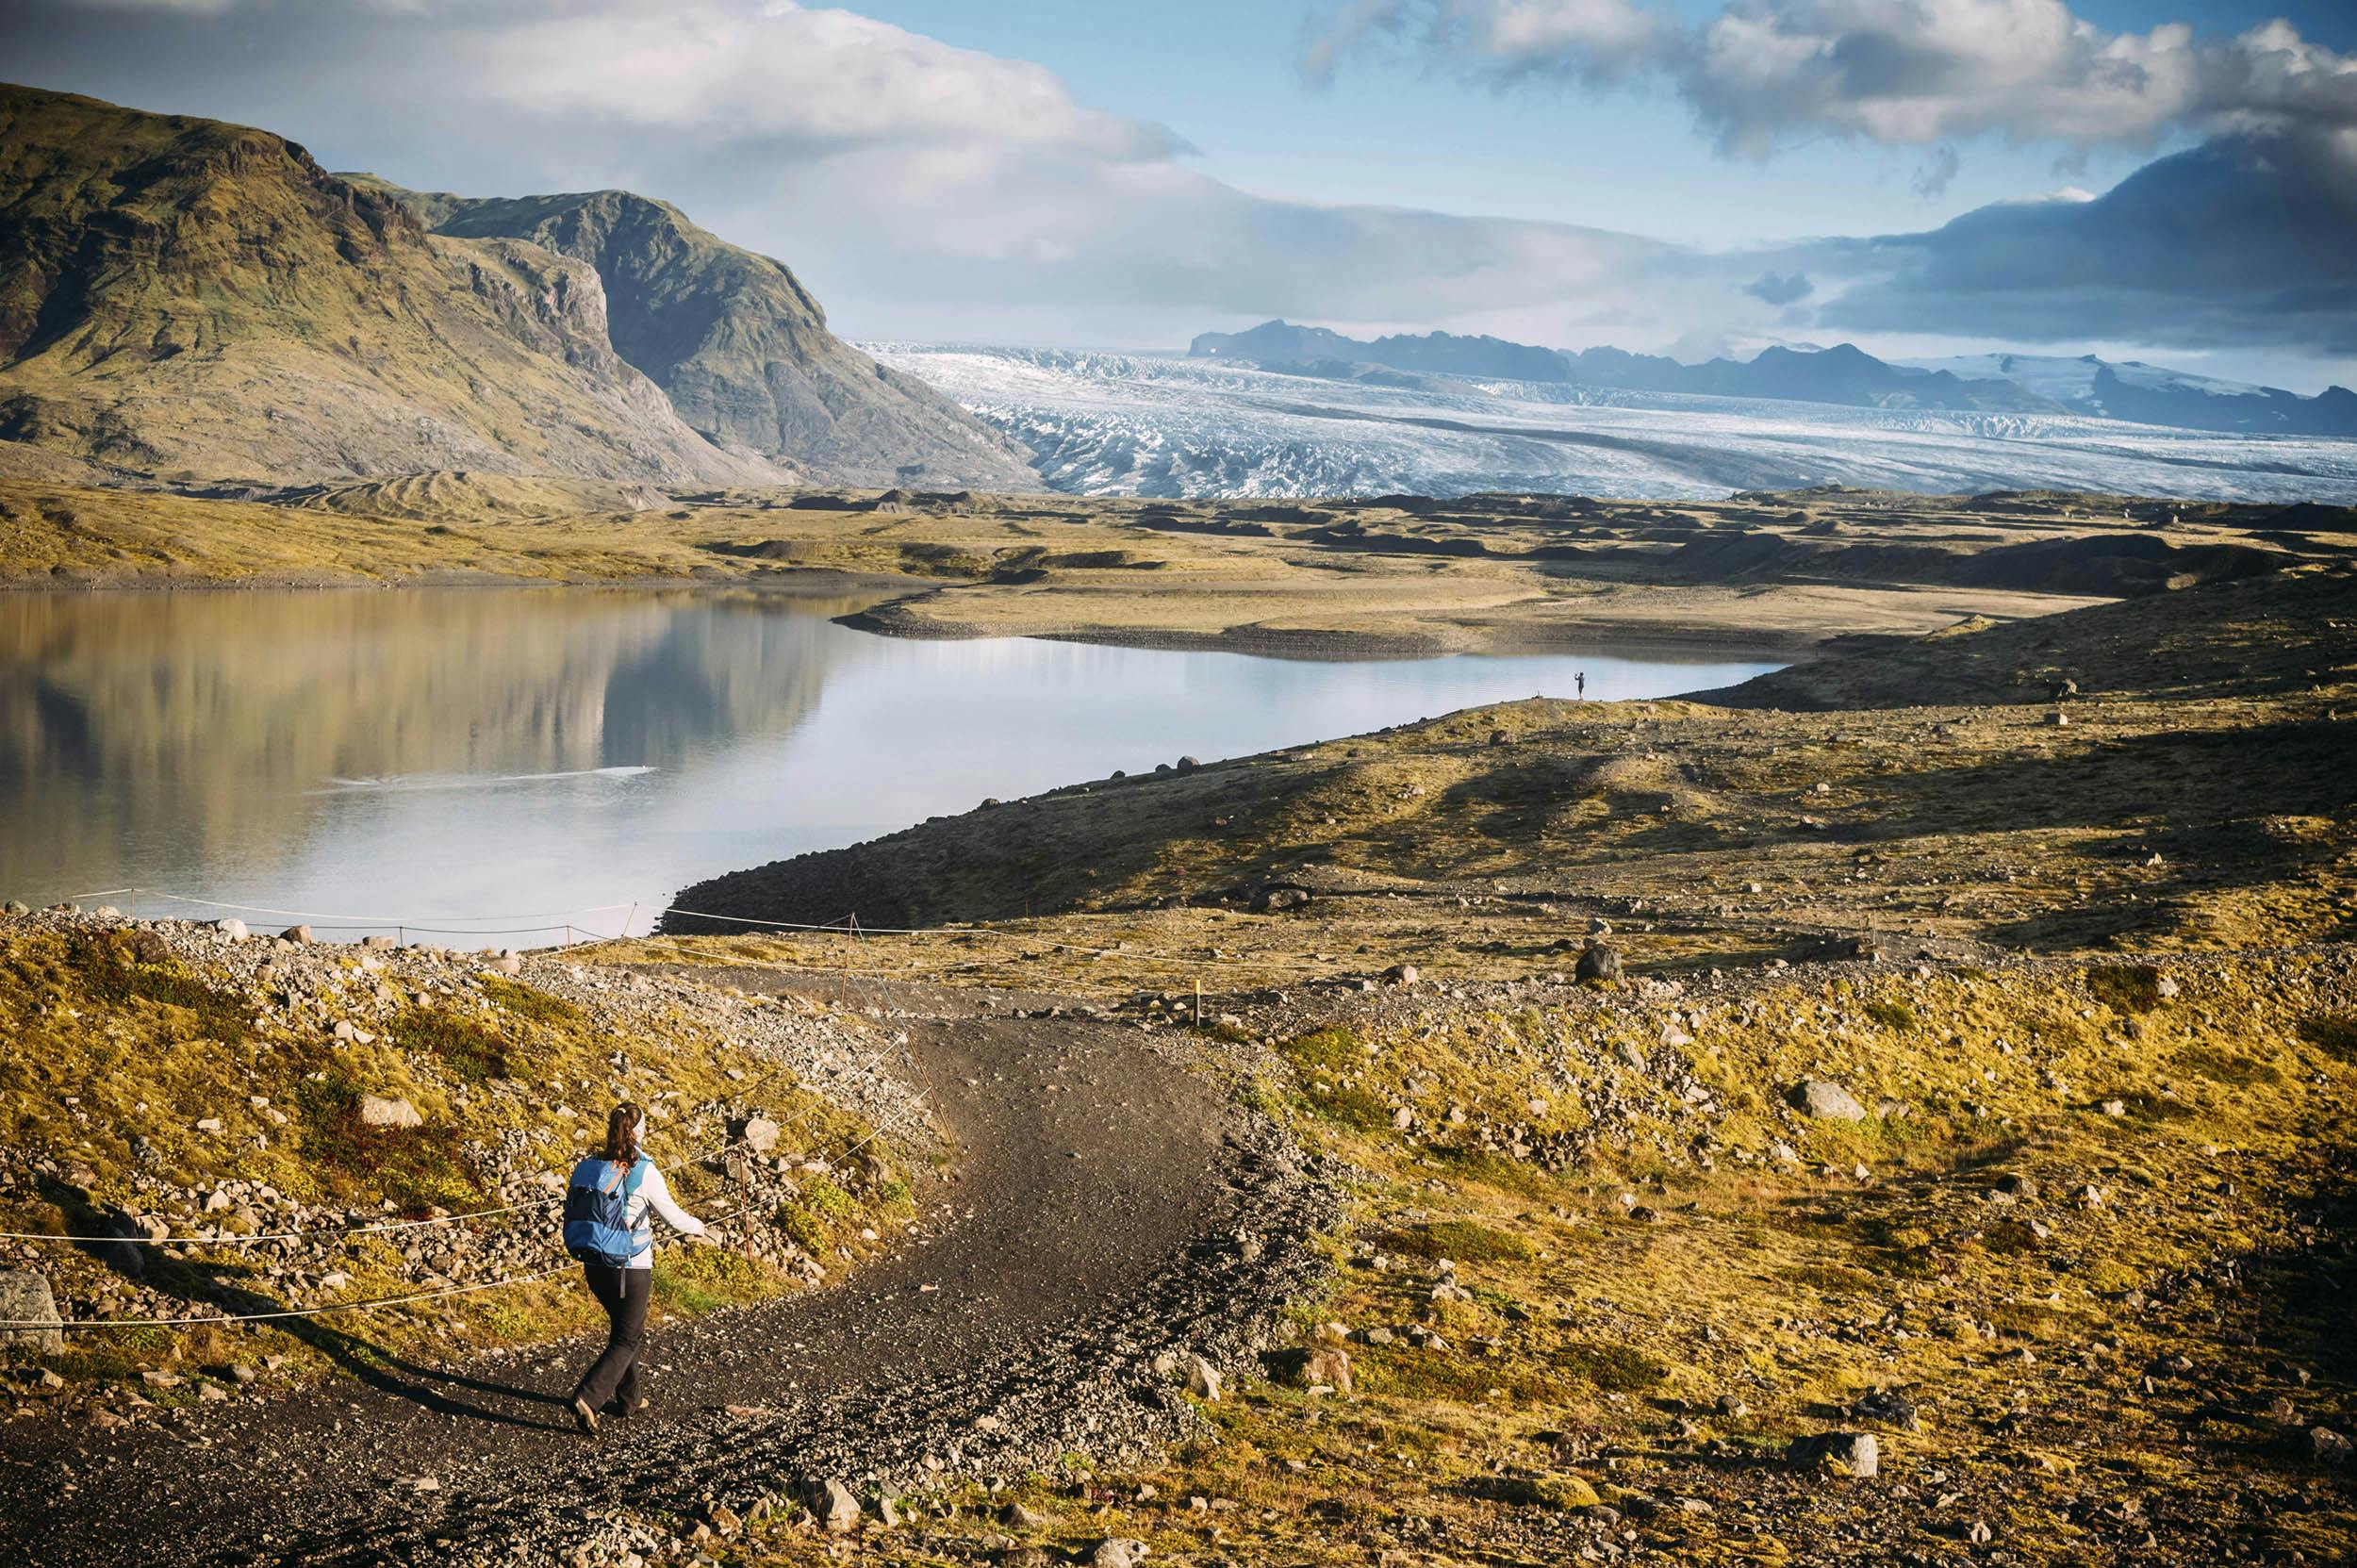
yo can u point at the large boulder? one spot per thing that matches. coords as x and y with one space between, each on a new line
830 1502
377 1111
25 1298
1322 1366
145 946
1277 898
1857 1453
1827 1100
1598 963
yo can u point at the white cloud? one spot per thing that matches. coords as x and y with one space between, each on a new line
1762 74
729 71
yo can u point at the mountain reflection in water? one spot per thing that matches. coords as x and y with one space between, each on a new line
439 754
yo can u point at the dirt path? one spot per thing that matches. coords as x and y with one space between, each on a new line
1103 1181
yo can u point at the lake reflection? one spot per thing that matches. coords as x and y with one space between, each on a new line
503 757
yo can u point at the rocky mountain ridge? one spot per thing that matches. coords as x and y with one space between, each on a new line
200 301
737 343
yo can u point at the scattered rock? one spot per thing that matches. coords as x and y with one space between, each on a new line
234 930
1889 1405
2327 1446
1203 1379
1827 1100
295 934
1117 1551
758 1133
1402 974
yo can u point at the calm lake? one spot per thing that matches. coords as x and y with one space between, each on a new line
495 765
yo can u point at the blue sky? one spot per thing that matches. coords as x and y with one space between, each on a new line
1074 171
1224 74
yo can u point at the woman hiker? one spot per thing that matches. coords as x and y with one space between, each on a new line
606 1205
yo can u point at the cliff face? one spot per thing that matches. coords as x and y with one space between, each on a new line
739 346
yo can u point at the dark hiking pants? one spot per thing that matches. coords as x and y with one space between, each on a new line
622 1292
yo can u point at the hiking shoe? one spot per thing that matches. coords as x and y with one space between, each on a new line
616 1407
583 1417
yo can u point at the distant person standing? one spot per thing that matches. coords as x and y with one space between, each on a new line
606 1207
1579 683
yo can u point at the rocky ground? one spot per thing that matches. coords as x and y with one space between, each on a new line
1777 1138
1894 1112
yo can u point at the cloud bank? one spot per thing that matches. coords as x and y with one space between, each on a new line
1764 73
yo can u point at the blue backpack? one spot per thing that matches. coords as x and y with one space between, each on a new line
597 1212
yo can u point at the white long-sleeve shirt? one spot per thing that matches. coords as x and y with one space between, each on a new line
655 1194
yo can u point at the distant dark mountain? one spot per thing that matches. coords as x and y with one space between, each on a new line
1843 374
2152 394
1275 345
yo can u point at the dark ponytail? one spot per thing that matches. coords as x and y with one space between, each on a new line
621 1134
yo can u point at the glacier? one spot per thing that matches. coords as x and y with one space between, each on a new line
1099 423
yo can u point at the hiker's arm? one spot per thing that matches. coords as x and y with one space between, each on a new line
659 1199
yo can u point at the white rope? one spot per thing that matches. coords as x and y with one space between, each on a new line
284 1235
290 1312
888 1124
368 920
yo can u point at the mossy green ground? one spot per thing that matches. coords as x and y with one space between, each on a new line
118 1053
1659 1366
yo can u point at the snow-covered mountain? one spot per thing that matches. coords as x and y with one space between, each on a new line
2154 394
1107 424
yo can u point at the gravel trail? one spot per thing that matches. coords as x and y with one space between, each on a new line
1109 1202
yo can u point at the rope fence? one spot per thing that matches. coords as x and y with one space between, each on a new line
561 920
193 1322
